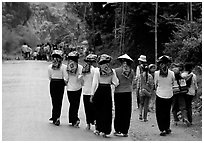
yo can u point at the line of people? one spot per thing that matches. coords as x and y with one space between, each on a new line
93 81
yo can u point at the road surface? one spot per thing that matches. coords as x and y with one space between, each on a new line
26 108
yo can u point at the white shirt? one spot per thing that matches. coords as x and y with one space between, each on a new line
104 80
164 85
74 81
60 73
88 79
193 86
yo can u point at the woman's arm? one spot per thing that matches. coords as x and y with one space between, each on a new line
49 73
115 80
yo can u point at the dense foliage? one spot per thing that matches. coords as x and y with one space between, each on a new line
113 28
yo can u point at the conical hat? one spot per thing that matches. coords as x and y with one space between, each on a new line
125 56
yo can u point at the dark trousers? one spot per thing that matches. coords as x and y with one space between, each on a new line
103 103
189 99
163 109
144 106
179 104
123 106
74 100
138 98
89 109
56 92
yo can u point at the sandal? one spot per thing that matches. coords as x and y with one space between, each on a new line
96 132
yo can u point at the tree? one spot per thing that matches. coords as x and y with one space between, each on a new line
186 44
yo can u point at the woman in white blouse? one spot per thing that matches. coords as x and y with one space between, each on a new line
74 87
104 76
164 81
57 75
88 72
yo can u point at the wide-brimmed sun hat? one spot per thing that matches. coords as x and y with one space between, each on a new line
91 58
104 58
57 53
142 58
125 57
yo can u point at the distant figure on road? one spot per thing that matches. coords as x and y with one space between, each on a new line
74 87
88 72
101 93
57 76
164 81
26 51
123 96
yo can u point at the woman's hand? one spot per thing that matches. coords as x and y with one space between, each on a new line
91 99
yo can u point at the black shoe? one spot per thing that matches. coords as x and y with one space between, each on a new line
145 120
51 120
140 117
163 133
57 122
125 135
168 131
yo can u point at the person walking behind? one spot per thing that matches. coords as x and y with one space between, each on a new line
179 97
152 69
104 76
123 96
74 87
145 85
164 80
191 81
142 62
57 77
88 72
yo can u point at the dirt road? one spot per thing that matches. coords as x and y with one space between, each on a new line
26 108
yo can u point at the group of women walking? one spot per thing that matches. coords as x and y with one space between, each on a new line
94 80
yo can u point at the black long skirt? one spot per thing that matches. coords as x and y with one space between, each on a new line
89 109
123 106
74 100
56 92
103 103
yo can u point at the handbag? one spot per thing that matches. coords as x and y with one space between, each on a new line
145 90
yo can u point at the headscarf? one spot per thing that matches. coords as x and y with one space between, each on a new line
57 59
104 65
105 70
72 65
89 60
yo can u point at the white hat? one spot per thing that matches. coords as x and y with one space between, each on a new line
142 58
125 56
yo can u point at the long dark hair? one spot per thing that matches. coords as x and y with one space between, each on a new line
146 70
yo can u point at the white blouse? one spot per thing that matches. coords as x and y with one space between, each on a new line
164 85
103 80
60 73
88 79
74 81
